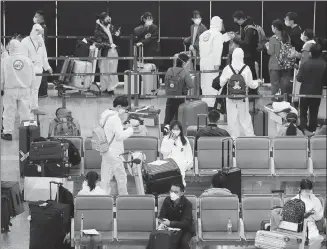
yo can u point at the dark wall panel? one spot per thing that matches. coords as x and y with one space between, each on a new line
1 21
25 11
321 19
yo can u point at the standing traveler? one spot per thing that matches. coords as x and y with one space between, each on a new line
177 80
238 78
312 76
294 30
211 47
17 78
107 38
112 164
280 78
35 49
308 38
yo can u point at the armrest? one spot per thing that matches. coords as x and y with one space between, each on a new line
200 229
272 166
234 162
115 237
241 229
310 166
72 233
196 166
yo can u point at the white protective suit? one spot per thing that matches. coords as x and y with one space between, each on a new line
181 154
4 52
312 202
238 118
211 47
86 190
18 74
34 48
112 163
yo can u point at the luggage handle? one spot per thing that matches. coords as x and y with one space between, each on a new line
280 193
58 184
198 120
140 56
223 153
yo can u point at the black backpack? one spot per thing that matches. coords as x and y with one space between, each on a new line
73 153
174 83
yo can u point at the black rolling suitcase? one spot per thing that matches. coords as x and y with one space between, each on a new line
28 131
158 178
5 214
49 224
233 180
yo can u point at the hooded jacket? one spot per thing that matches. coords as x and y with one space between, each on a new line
211 45
34 48
237 64
17 70
113 127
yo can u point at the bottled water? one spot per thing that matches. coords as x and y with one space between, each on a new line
229 226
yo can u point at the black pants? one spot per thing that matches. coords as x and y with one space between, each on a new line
311 105
185 240
43 90
171 112
251 63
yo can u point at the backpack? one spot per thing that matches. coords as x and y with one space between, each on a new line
285 59
293 211
236 84
173 84
74 156
99 140
262 39
66 128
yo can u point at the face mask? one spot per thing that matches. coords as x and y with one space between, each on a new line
306 193
176 133
121 111
197 21
148 22
35 20
287 23
173 196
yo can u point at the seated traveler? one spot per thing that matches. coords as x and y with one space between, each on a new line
218 186
290 128
177 147
176 212
90 186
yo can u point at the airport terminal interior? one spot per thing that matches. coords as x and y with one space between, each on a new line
87 107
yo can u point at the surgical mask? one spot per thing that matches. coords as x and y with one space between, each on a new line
121 111
176 132
306 193
148 22
173 196
287 23
197 21
35 20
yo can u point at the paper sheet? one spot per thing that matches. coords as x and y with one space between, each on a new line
158 162
226 37
90 232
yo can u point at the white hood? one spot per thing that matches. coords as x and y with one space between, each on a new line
36 32
105 114
216 23
15 47
238 59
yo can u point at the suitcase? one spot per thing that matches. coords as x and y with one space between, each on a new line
52 168
260 122
158 177
192 130
67 68
188 113
164 239
82 81
49 224
277 240
5 214
296 86
49 150
233 175
12 191
28 131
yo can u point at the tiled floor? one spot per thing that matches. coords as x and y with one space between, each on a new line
87 110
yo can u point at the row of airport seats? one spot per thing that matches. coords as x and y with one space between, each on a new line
256 156
129 220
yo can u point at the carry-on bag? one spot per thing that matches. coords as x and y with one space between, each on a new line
260 122
192 130
233 179
28 131
48 150
11 189
5 214
188 113
296 86
164 239
49 223
159 175
67 68
82 81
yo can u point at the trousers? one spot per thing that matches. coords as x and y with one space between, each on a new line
311 105
35 89
171 112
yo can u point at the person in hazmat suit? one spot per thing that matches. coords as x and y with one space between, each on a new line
17 75
238 118
211 47
34 48
112 161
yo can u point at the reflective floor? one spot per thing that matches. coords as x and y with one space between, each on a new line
87 110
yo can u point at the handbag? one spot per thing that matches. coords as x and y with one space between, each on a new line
164 239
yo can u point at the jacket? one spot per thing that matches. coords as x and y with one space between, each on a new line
86 190
305 52
37 52
180 216
248 39
102 38
113 127
17 70
189 41
273 51
150 45
212 130
295 34
312 76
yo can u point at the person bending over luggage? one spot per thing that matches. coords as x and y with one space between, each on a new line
176 212
107 38
218 185
90 185
212 130
290 128
177 147
177 81
313 212
138 126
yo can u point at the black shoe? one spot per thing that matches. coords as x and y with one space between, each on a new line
7 137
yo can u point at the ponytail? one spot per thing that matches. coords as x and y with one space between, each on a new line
92 177
291 129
